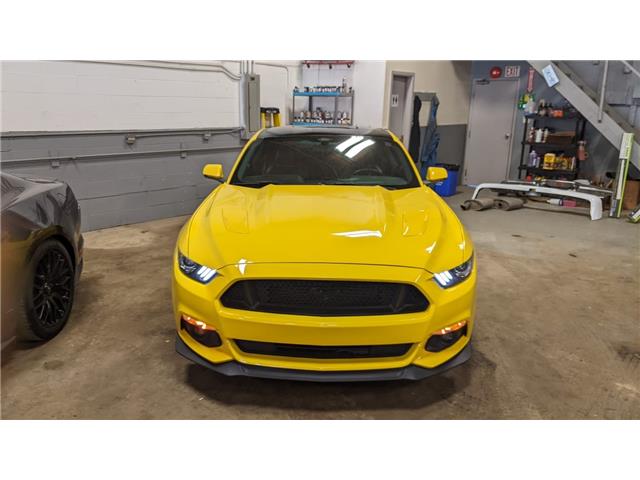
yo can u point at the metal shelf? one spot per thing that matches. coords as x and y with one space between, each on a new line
322 94
554 173
348 63
312 124
567 117
336 96
552 145
526 146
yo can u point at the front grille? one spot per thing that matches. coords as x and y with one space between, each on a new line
324 297
313 351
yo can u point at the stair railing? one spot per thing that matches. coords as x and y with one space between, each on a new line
603 85
603 88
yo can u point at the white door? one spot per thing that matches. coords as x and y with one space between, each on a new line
491 118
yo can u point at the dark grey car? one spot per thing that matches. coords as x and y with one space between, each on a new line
41 256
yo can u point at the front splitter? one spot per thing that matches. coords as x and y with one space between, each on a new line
410 372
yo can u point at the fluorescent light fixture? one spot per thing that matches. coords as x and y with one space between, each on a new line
356 149
348 142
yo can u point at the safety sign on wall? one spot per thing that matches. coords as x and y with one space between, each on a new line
550 75
512 71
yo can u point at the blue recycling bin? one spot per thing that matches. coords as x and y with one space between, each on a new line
447 187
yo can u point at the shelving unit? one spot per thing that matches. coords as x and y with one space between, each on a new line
335 95
539 121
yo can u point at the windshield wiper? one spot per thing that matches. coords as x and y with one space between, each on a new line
256 184
357 184
268 182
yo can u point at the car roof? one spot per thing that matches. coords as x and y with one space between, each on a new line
327 130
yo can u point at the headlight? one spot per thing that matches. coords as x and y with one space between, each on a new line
197 272
452 277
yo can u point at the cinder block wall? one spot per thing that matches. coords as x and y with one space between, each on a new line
130 140
116 183
73 96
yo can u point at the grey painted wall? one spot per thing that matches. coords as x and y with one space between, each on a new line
452 144
117 183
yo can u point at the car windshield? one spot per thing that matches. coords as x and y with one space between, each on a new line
331 159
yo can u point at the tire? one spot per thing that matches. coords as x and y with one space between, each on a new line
48 293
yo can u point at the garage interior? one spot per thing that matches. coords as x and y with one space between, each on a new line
557 324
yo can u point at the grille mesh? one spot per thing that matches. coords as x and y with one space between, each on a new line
324 297
314 351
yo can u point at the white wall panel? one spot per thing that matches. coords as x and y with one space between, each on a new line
368 87
58 96
276 85
323 75
68 95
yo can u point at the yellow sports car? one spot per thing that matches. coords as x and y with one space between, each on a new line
324 257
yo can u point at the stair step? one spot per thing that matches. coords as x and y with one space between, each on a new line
612 114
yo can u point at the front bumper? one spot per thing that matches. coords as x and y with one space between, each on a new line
410 372
446 308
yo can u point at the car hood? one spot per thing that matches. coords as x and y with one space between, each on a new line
20 188
327 224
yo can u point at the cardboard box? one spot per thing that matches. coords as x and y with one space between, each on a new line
564 138
631 194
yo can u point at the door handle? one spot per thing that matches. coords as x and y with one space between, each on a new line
507 136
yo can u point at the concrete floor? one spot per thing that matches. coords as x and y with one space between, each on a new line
557 336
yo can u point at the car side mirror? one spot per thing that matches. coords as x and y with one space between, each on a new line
213 171
436 174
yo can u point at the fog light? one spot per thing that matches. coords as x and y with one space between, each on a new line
446 337
200 331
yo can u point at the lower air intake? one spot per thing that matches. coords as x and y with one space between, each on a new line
313 351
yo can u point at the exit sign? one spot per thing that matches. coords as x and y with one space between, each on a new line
512 71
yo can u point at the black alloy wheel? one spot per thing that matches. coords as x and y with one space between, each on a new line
49 292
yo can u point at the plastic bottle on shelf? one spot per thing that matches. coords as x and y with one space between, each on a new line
545 135
538 136
582 150
531 104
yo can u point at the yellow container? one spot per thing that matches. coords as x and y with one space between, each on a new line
549 162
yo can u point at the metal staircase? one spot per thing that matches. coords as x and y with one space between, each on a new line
609 122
